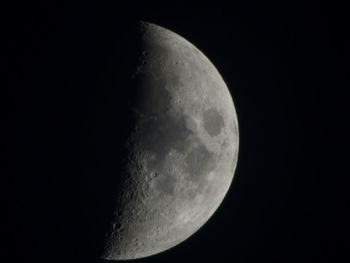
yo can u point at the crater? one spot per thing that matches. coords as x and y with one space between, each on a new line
213 122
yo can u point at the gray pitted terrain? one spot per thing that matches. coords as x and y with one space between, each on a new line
183 151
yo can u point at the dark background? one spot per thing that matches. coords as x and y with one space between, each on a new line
61 61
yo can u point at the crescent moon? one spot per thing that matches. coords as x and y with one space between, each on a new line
183 150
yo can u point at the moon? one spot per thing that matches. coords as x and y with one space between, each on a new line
182 151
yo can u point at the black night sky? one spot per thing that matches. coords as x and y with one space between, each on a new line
60 58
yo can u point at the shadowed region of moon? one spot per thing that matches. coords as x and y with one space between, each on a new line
181 153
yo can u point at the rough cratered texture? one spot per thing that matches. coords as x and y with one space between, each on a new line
183 151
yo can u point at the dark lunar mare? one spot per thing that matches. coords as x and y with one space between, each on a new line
94 120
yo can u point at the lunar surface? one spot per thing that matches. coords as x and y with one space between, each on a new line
182 151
